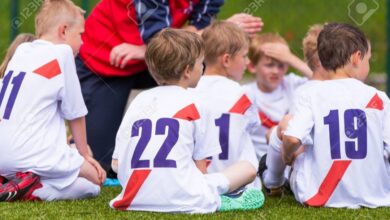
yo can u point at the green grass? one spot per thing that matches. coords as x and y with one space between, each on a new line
97 208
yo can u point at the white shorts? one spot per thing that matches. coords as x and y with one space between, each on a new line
60 175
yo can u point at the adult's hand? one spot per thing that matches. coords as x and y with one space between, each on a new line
249 23
124 52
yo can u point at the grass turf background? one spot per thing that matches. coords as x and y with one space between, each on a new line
97 208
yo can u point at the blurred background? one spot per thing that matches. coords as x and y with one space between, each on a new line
290 18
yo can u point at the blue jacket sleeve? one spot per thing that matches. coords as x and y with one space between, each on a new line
204 12
152 16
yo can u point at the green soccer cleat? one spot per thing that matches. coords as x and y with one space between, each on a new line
249 199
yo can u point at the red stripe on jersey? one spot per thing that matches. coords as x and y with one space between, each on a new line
135 182
375 103
241 105
266 121
189 113
329 184
49 70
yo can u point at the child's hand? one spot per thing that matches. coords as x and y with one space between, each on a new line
101 172
277 51
281 52
250 24
124 52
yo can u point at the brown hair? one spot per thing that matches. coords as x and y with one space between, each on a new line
21 38
337 42
223 37
255 53
52 12
310 46
170 52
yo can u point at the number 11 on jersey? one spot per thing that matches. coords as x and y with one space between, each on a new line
16 82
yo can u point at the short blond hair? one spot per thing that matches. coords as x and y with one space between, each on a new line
21 38
255 53
223 37
309 44
52 12
170 52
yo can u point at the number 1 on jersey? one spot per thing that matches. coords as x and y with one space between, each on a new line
223 124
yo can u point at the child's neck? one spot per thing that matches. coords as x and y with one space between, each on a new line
215 70
341 73
50 38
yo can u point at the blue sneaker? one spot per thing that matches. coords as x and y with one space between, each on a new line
250 199
111 182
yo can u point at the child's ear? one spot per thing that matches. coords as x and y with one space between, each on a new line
251 67
356 58
187 73
61 31
225 60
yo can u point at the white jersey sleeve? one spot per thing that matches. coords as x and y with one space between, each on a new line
72 102
302 121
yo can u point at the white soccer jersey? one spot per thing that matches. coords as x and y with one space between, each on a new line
40 89
234 116
349 123
163 132
271 107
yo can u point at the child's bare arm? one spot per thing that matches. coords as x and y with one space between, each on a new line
289 148
282 52
201 165
77 127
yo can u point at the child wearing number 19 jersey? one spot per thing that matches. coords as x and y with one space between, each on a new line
348 125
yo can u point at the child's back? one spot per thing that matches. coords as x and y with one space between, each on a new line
351 120
167 126
349 125
32 126
230 106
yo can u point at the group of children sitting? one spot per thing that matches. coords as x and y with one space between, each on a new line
200 142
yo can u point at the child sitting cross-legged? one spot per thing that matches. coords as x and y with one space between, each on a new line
164 139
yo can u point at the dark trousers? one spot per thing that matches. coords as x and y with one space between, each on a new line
106 98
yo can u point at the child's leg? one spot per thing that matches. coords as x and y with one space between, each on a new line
89 172
79 189
239 174
273 176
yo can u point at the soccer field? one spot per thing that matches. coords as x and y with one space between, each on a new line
274 208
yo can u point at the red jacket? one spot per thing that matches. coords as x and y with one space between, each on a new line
113 22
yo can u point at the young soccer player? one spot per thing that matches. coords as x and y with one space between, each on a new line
234 114
272 92
164 139
45 91
348 123
271 166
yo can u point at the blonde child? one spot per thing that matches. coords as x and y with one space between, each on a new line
272 92
45 93
233 113
164 139
271 167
